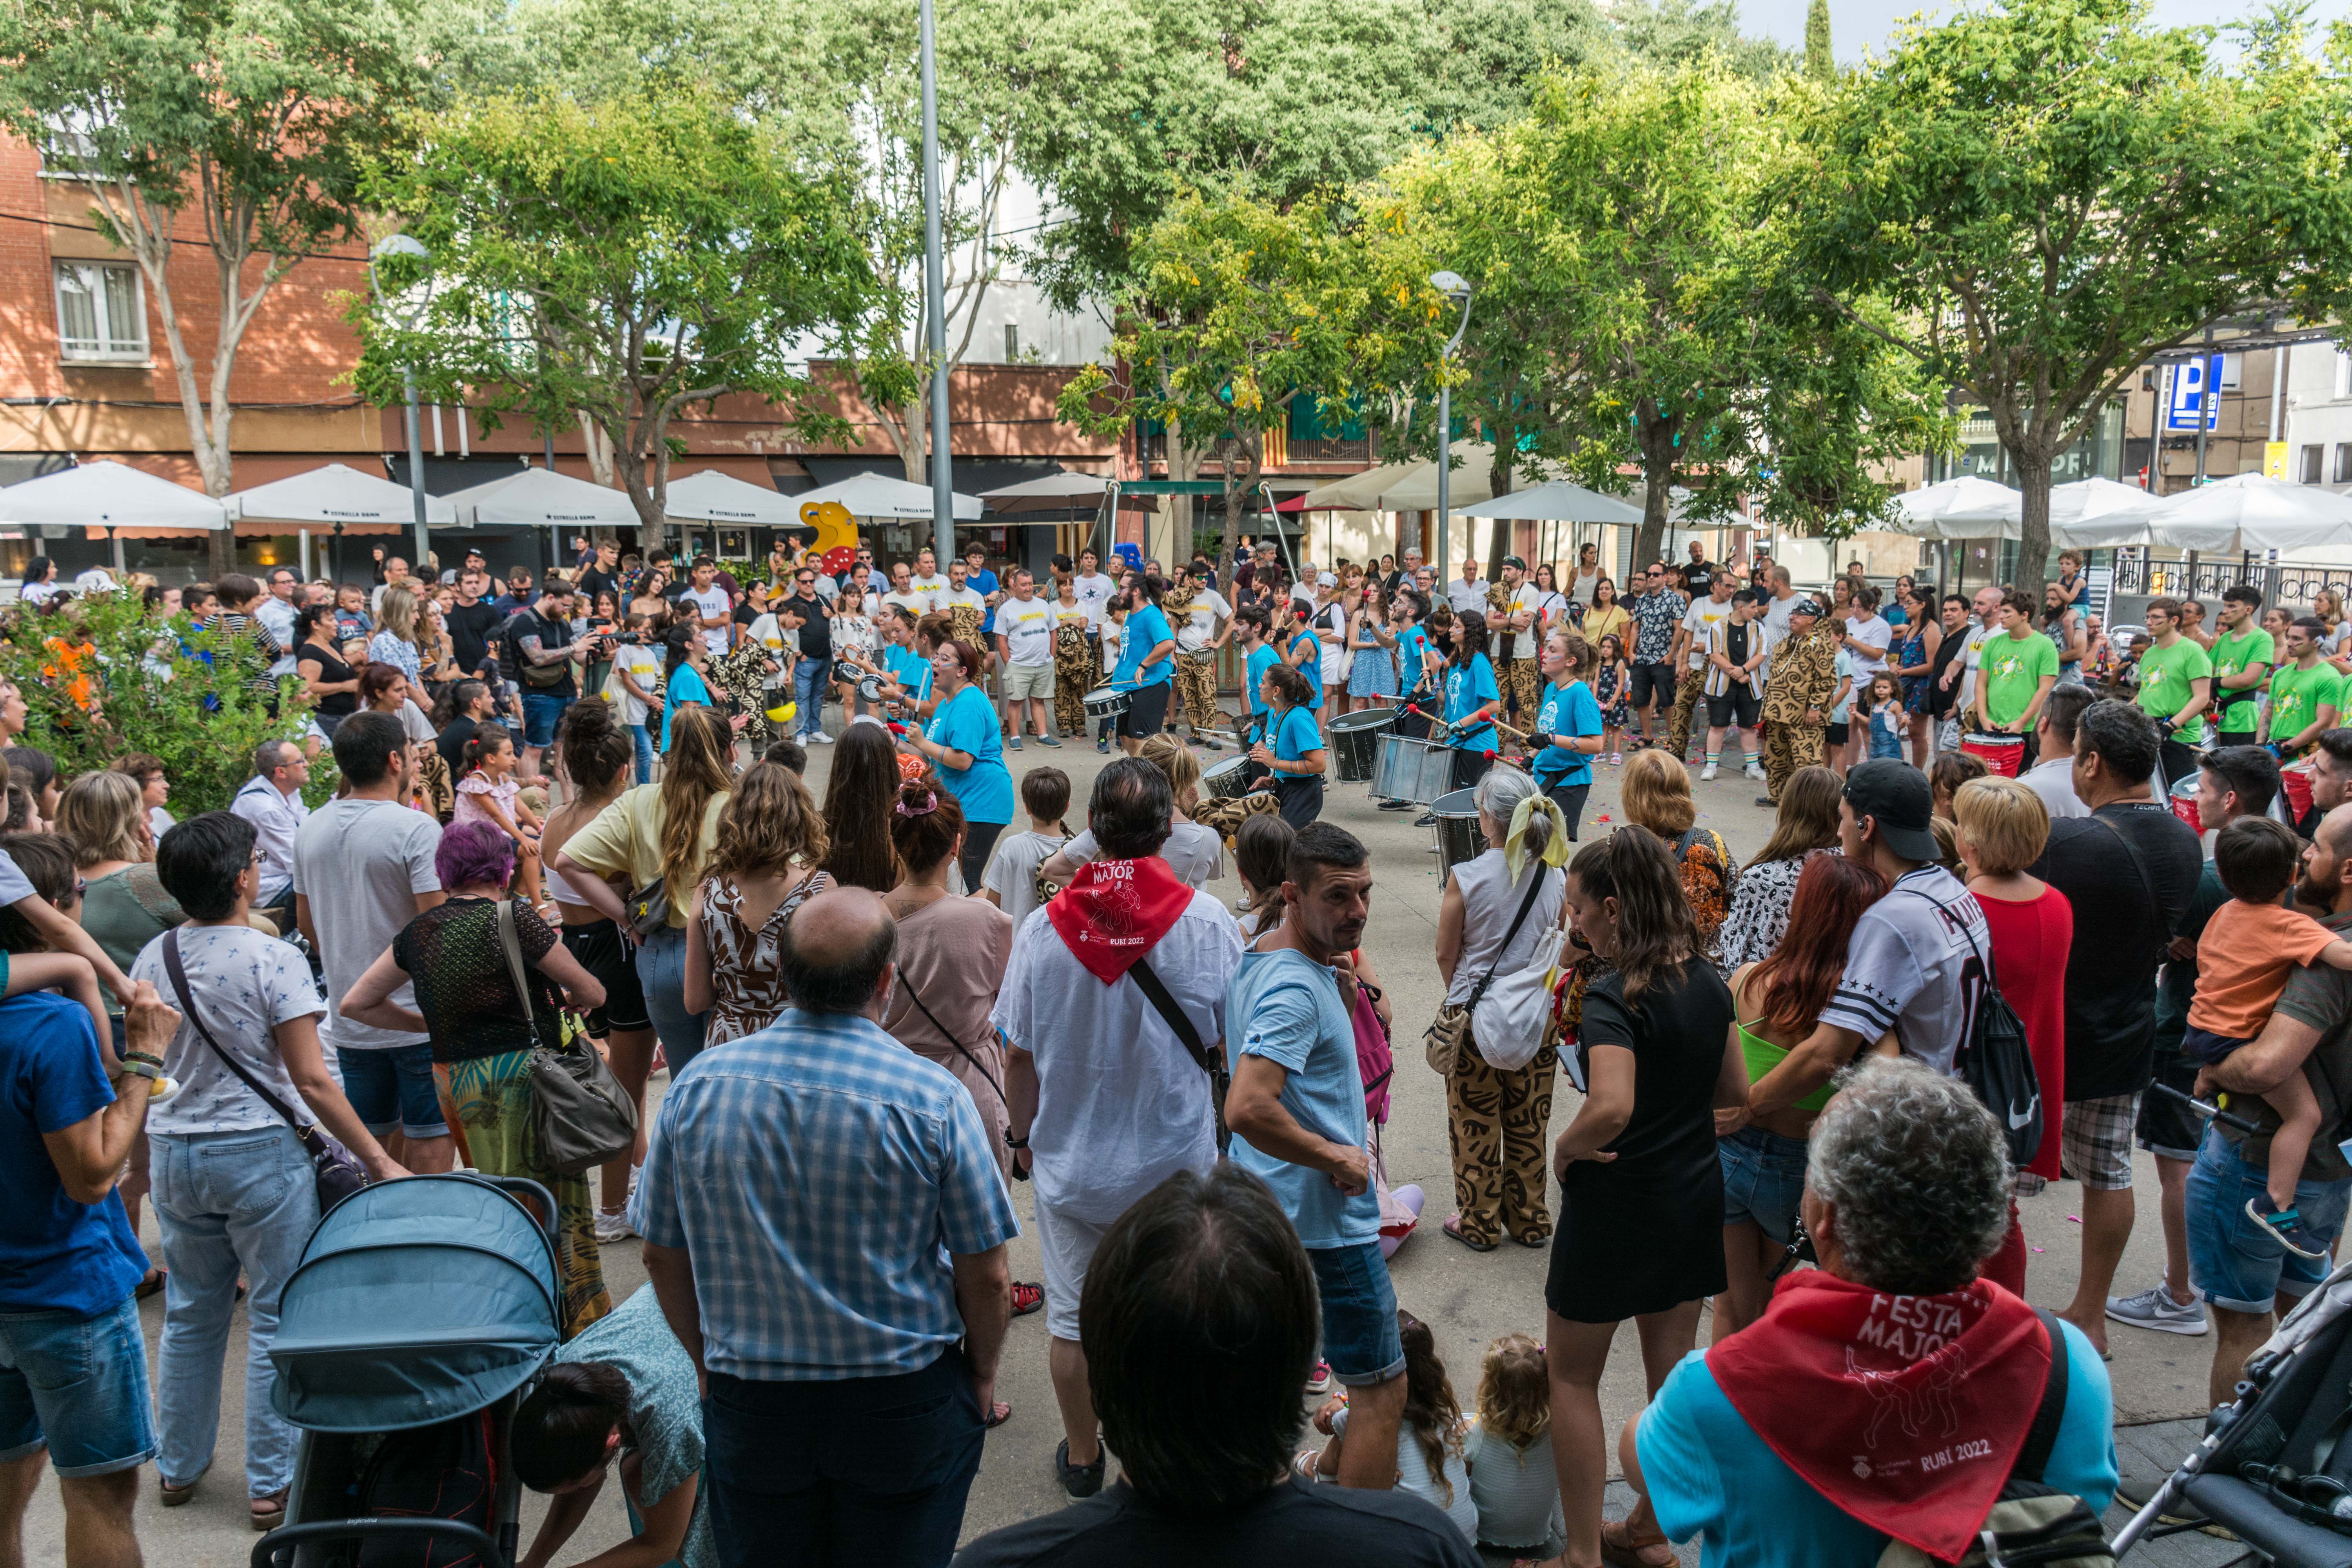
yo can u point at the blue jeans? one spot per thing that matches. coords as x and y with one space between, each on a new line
1763 1177
809 679
641 738
77 1387
870 1471
394 1088
227 1201
1360 1314
661 971
2234 1262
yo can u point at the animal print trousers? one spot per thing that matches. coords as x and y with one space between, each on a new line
1522 685
1196 685
1074 677
1688 699
1497 1123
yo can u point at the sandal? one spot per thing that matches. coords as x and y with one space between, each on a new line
1453 1228
150 1284
998 1415
1026 1298
269 1512
1624 1551
174 1496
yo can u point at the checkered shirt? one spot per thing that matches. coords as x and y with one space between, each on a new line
818 1174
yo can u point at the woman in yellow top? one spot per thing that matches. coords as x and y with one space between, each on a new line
660 834
1607 618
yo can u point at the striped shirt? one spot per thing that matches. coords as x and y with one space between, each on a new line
818 1174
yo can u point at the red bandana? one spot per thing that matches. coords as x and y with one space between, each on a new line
1906 1412
1115 911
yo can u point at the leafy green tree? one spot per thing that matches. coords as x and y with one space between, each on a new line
1820 64
2050 192
619 263
103 678
244 121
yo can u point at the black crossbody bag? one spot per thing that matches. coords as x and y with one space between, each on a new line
1211 1062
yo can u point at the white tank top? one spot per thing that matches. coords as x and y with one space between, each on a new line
1489 902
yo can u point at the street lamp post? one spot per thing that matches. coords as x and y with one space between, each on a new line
1452 285
935 297
402 245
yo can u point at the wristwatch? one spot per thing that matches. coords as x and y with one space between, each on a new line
1012 1143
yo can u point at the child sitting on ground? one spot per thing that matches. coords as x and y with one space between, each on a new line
1430 1461
2244 959
1011 881
490 793
1509 1448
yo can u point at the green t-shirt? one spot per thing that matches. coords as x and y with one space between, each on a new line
2012 668
2296 697
2232 655
2164 677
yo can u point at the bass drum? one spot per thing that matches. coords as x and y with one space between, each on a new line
1458 837
1355 741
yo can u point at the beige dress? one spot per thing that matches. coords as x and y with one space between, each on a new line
951 957
747 981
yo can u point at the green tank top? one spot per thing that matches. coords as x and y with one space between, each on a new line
1763 1056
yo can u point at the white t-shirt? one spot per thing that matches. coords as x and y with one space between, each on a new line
1581 585
1200 625
360 863
1027 627
42 593
640 664
1193 852
930 589
1121 1104
1703 614
2053 779
1094 593
1907 967
917 604
1470 595
1971 653
967 599
1012 873
1112 632
1873 632
246 984
1529 600
1776 613
711 601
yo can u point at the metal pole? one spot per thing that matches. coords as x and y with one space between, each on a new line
416 472
935 297
1444 466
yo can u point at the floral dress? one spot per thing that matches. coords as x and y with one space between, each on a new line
1609 691
747 979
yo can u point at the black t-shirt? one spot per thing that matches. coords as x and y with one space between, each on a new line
816 632
470 627
551 633
595 580
2127 909
1676 1030
1735 641
1700 576
332 670
1295 1522
465 987
451 743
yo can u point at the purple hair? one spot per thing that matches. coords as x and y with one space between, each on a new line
473 852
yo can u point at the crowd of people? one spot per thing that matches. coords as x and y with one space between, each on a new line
885 1004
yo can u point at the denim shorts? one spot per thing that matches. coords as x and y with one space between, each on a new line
1361 1339
78 1386
393 1087
1763 1177
541 714
2235 1263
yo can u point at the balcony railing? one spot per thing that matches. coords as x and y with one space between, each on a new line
2286 583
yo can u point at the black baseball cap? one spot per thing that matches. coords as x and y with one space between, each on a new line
1899 797
1513 561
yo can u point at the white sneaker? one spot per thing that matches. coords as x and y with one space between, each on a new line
613 1225
1707 772
817 738
2154 1308
1755 771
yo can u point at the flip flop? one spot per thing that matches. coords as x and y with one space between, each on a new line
151 1284
998 1416
1622 1552
1453 1228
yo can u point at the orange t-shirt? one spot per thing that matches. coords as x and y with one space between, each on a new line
2242 961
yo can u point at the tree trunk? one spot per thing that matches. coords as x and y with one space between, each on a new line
599 449
1185 460
651 528
2033 523
1498 538
1657 444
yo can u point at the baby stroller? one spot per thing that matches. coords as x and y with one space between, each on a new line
2274 1468
418 1316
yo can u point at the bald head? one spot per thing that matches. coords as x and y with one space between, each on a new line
836 953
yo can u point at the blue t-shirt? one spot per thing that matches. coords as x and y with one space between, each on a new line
56 1254
1412 644
910 670
685 686
1468 688
1261 659
1311 670
1698 1453
984 583
1146 629
1569 712
967 723
1295 735
1845 672
1283 1007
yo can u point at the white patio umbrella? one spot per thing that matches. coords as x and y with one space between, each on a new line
541 497
2243 514
109 495
1048 492
1962 507
870 494
1557 500
336 494
1472 479
709 496
1359 492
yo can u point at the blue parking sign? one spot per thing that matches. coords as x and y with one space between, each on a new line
2191 379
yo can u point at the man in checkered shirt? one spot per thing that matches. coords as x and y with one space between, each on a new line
825 1225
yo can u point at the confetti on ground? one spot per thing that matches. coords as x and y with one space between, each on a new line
2041 1250
2074 1219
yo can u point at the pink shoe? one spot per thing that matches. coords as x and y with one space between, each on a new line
1616 759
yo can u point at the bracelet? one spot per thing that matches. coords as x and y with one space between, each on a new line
145 1069
148 1057
1012 1143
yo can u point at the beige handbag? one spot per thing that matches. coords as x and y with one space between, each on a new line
1441 1041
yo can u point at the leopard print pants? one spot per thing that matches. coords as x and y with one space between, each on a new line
1074 677
1196 685
1690 699
1523 690
1496 1124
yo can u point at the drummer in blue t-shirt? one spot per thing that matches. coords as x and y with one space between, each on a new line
1258 658
1567 724
1472 699
1146 659
1305 652
967 753
1295 757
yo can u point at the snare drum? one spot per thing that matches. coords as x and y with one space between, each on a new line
1355 743
1228 779
1109 701
1412 769
1459 839
2002 756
